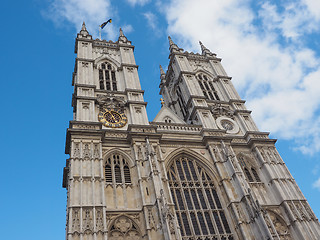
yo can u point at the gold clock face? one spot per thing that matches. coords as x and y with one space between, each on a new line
113 118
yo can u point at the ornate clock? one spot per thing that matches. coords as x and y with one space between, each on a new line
113 118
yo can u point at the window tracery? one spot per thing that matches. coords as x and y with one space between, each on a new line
117 170
125 229
198 208
107 77
249 170
207 87
279 229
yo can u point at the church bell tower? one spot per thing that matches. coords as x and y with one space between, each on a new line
201 170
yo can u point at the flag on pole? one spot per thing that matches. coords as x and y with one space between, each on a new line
105 23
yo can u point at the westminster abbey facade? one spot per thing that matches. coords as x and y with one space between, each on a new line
201 170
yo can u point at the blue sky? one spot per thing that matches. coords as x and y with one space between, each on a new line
271 50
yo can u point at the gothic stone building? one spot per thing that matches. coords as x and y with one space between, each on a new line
200 170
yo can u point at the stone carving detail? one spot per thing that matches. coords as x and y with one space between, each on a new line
110 101
238 212
278 224
96 153
99 220
221 110
167 214
75 220
87 220
85 64
301 211
152 222
86 151
130 69
308 210
123 228
76 153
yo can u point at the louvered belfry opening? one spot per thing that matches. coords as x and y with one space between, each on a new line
199 211
117 170
206 85
107 77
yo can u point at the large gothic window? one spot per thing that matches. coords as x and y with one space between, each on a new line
206 85
107 77
198 208
117 170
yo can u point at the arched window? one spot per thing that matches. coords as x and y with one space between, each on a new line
181 102
249 169
255 174
198 208
206 85
248 174
117 170
107 77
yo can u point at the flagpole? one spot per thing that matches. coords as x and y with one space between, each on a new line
100 32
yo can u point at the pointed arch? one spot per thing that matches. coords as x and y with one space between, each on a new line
127 157
193 154
207 85
199 210
117 167
199 71
249 167
277 225
105 58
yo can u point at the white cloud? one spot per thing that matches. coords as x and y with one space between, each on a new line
127 29
93 12
152 19
281 82
139 2
316 184
313 7
293 18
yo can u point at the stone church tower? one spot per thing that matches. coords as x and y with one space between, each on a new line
200 170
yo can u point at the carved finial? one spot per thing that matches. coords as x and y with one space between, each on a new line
203 48
84 27
122 38
172 46
205 51
121 33
162 102
162 76
170 41
161 70
84 32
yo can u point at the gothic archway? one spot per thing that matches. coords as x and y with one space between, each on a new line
198 207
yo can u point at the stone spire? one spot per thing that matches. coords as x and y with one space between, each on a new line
172 46
161 70
162 75
205 51
84 32
122 38
121 33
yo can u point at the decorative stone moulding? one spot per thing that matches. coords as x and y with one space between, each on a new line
227 124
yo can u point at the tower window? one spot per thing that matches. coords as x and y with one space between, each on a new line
207 87
255 174
117 170
107 77
181 102
198 208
